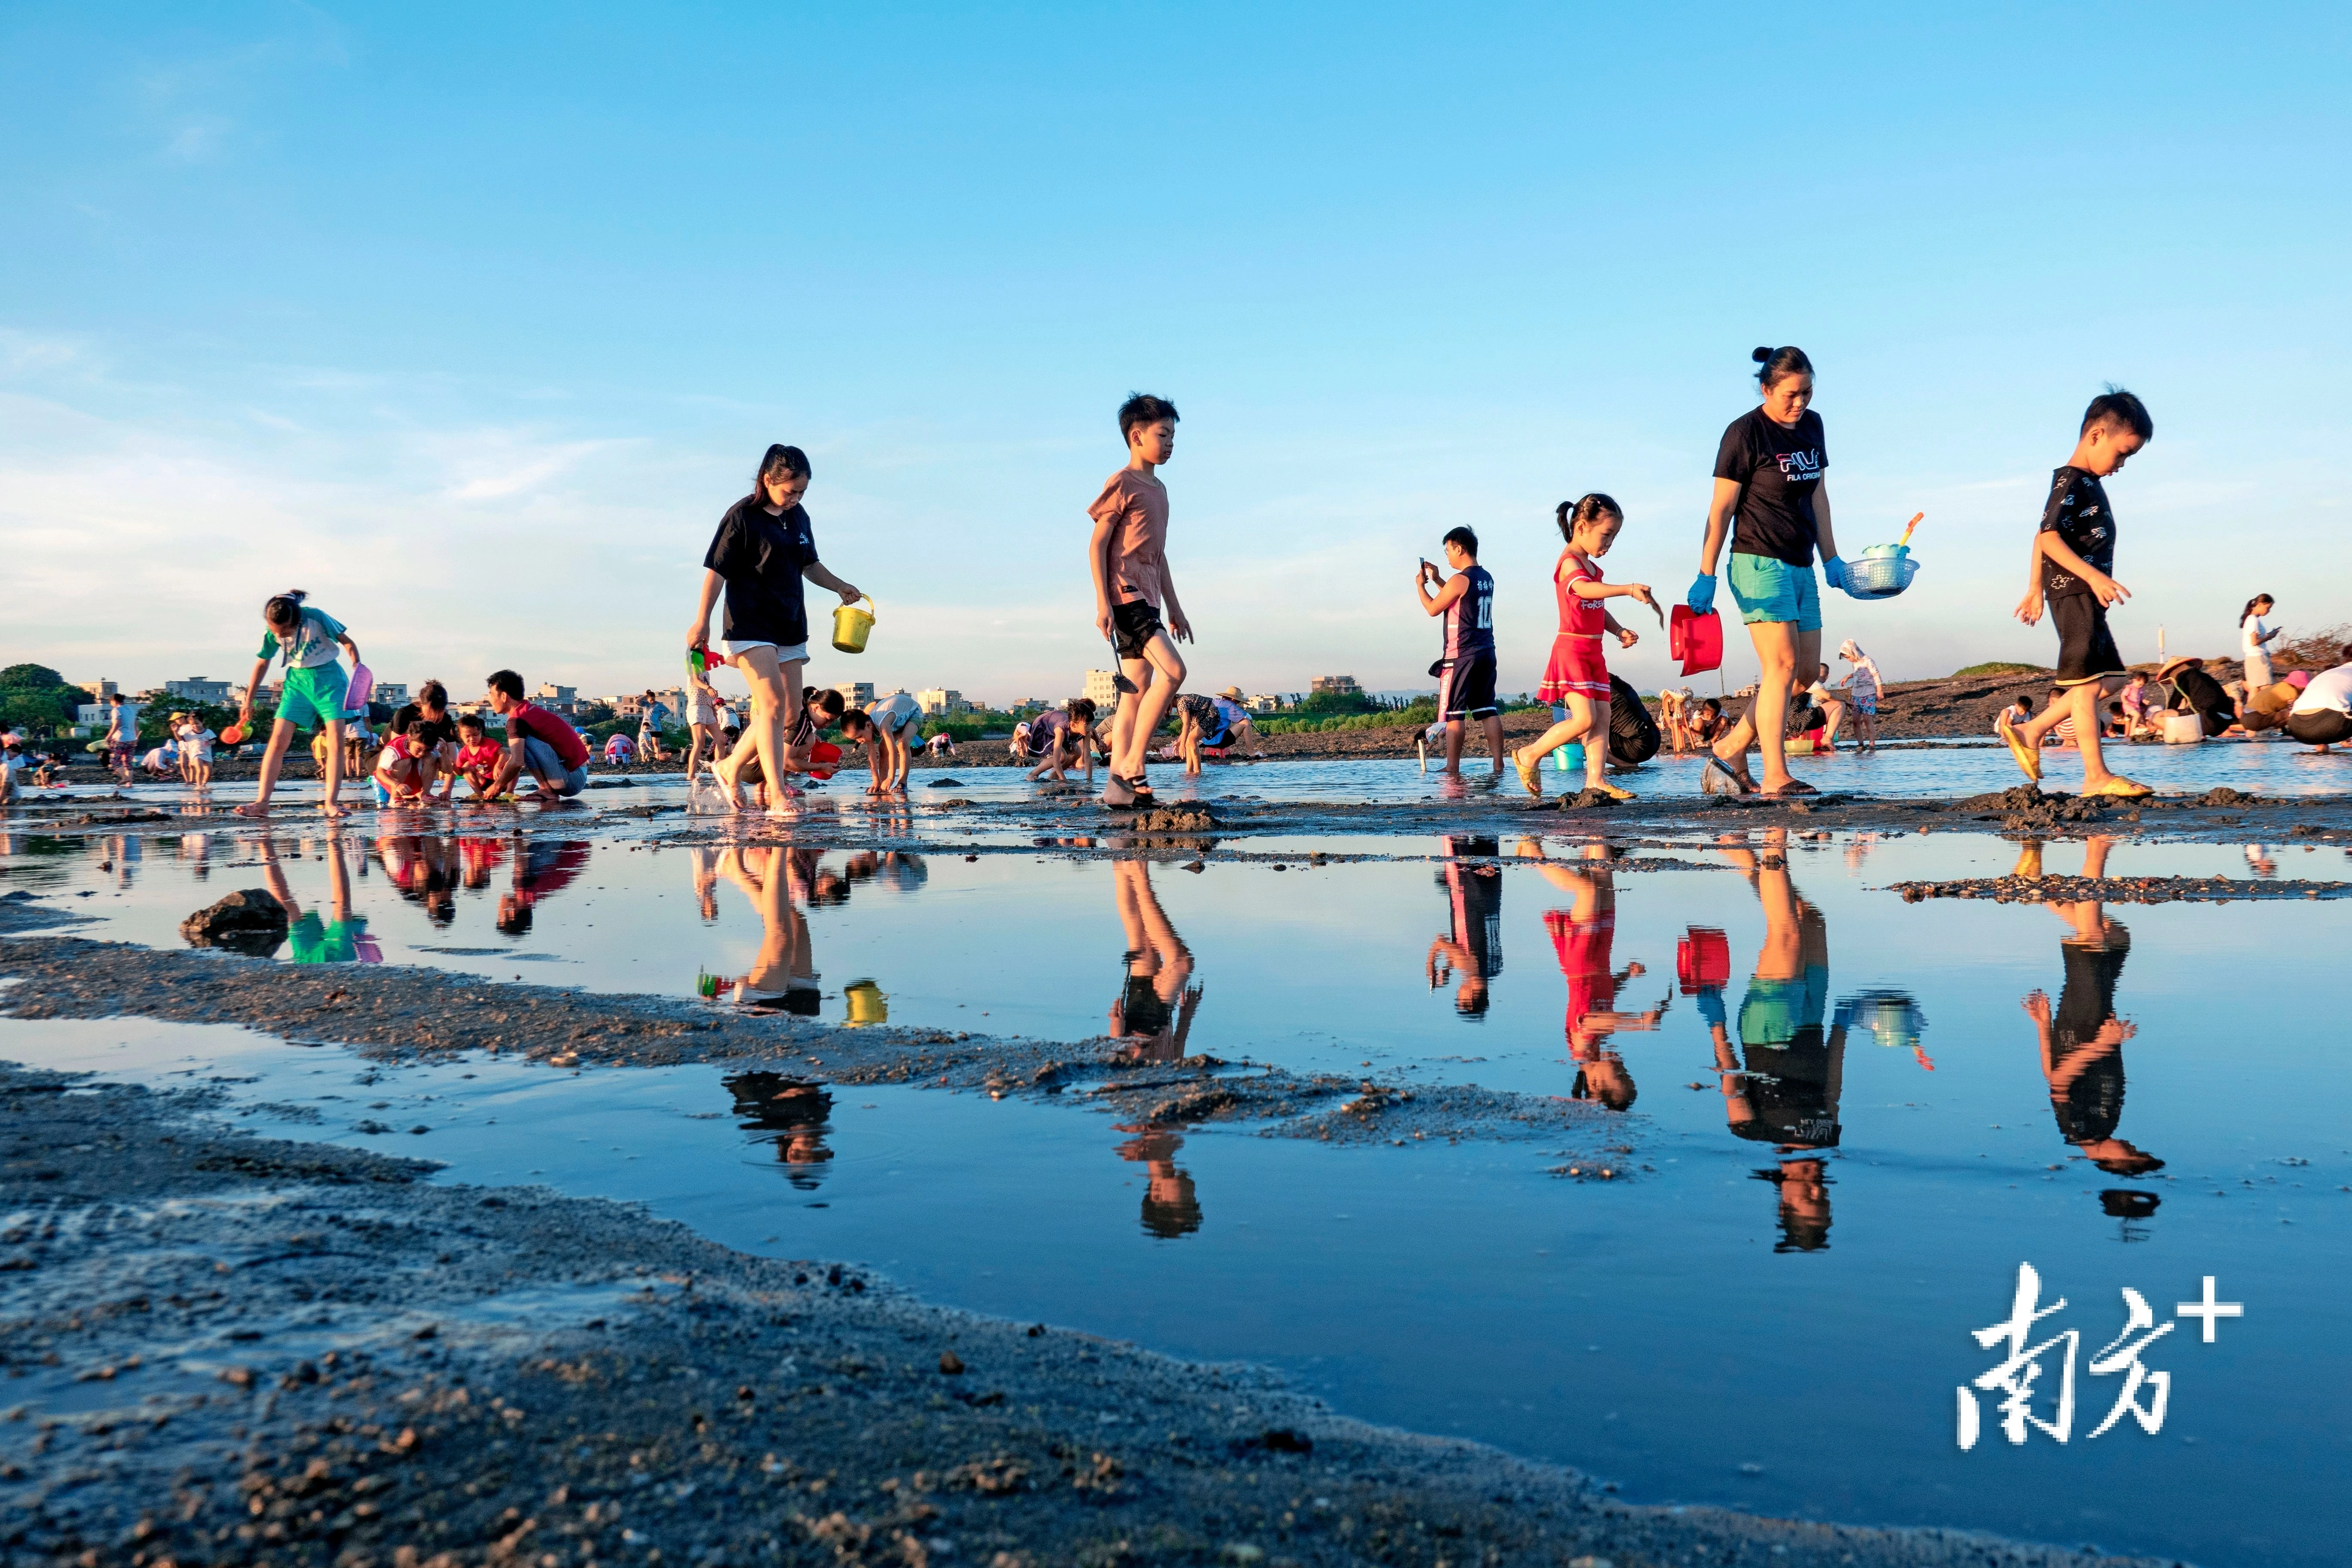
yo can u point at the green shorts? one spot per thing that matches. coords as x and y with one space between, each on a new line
1774 1010
1771 590
313 696
314 940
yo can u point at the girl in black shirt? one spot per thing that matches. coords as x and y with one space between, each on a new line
763 548
1767 475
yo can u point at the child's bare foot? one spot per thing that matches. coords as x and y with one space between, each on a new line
329 808
254 808
726 776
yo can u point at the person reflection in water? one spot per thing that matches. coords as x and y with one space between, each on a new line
1471 945
789 1112
1153 1013
2082 1043
1783 1084
542 869
425 871
1171 1207
310 940
777 881
1581 936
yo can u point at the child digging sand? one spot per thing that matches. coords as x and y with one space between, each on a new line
1129 557
478 755
1578 674
2068 567
887 730
312 695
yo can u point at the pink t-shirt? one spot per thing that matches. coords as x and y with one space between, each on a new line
1136 505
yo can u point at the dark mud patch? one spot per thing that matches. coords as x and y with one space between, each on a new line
225 1361
393 1012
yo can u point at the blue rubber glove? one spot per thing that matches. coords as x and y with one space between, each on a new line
1833 572
1710 1007
1701 597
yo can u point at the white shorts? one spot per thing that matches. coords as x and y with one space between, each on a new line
796 654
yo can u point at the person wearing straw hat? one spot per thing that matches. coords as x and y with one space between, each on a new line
2194 691
2069 570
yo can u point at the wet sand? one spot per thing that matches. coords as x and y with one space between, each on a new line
253 1351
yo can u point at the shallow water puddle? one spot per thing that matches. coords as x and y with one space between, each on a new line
1902 770
1851 1119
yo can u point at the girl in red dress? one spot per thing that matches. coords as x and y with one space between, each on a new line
1578 676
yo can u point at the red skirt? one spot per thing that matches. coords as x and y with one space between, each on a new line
1577 669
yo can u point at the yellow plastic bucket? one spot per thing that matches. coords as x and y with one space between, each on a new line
851 627
867 1004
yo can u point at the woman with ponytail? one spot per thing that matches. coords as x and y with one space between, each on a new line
2255 641
1769 501
311 696
1577 675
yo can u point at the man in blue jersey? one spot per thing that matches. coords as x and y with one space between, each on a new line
1466 671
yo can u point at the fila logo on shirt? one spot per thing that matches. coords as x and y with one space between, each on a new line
1798 467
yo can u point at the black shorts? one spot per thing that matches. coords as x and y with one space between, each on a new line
2324 728
1466 688
2086 650
1133 626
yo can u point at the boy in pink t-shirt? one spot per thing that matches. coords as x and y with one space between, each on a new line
1128 558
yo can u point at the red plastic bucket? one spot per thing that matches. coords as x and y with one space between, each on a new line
1696 640
1703 960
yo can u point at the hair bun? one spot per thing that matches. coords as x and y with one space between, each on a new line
1760 357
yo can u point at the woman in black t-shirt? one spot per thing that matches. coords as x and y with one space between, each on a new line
1769 501
763 548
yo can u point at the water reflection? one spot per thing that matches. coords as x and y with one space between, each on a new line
1170 1207
1782 1083
2081 1042
1152 1015
310 940
777 882
542 869
1581 938
791 1113
1472 944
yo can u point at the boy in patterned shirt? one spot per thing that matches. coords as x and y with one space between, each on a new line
2073 556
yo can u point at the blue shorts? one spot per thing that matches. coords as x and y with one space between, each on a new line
541 759
1771 590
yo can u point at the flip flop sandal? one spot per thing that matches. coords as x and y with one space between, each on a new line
2029 760
1614 792
2122 788
1789 791
1527 773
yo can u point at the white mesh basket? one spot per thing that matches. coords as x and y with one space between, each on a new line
1879 576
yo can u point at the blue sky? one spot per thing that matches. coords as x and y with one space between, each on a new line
473 321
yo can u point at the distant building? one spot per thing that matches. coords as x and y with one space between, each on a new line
98 715
1264 703
1335 684
557 698
858 693
1102 689
392 693
101 689
195 688
939 701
